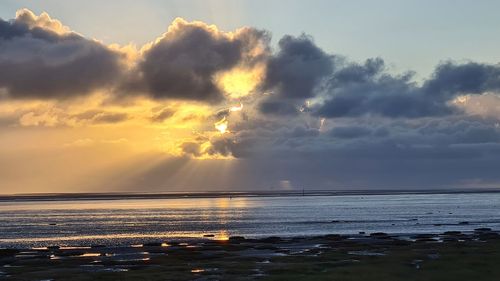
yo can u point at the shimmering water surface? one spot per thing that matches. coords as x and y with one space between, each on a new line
134 221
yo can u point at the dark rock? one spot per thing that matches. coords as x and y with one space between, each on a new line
208 235
265 247
70 253
463 223
236 238
272 239
482 229
378 234
398 242
489 236
426 240
8 252
335 237
424 236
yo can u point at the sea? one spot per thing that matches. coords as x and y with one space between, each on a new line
130 221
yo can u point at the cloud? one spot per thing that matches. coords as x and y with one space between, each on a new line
191 148
451 79
92 117
349 132
301 116
486 105
88 142
41 59
109 117
229 146
162 114
360 90
297 69
278 107
43 21
183 63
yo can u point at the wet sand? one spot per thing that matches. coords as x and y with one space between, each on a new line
451 255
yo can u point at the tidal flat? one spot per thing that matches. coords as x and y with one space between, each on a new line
451 255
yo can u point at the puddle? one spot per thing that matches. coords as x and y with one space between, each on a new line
197 270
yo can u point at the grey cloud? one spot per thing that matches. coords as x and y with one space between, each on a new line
230 146
348 132
278 107
42 59
369 152
368 89
163 114
450 79
37 62
297 69
191 148
301 131
372 138
184 62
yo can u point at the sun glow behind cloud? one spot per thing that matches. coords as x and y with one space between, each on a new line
176 109
240 82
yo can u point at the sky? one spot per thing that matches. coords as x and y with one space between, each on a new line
158 96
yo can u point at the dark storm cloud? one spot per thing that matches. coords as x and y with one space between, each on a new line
297 69
369 152
451 79
368 89
349 132
229 146
301 131
183 63
37 62
278 107
369 138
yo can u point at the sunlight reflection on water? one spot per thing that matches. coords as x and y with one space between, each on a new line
136 221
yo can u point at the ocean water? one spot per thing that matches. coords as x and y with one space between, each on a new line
135 221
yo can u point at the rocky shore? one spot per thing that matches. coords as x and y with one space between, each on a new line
450 255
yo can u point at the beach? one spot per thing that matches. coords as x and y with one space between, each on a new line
376 256
434 236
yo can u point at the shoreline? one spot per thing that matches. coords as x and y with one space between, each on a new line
211 238
275 258
186 195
